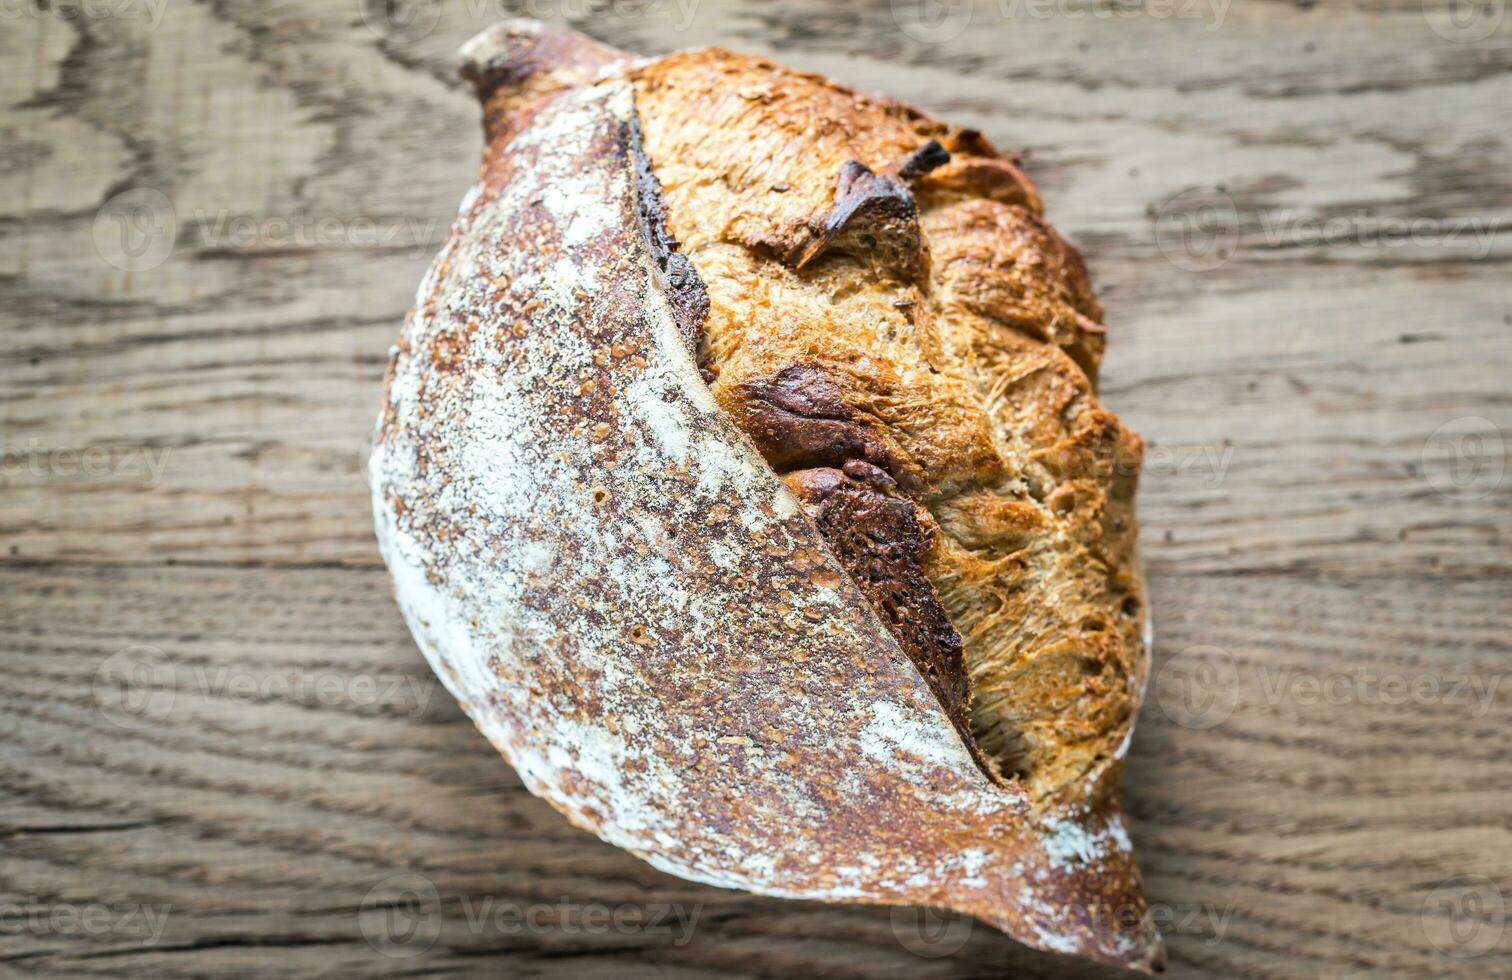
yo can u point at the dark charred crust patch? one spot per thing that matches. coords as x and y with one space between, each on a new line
877 536
921 161
799 419
684 287
874 217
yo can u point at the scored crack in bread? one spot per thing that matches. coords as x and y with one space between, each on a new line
910 345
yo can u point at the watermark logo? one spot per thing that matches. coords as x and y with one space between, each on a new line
1465 917
143 465
674 14
940 21
1197 230
301 229
135 230
930 932
1464 21
149 12
1197 919
932 21
1465 458
1210 12
400 917
1192 919
1372 687
1202 461
567 916
39 918
417 18
138 230
135 688
1198 688
1473 236
140 686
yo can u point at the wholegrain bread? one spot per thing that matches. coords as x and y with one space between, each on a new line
741 473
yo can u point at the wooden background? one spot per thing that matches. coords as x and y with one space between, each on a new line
218 745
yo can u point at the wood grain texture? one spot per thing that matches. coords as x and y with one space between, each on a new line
218 746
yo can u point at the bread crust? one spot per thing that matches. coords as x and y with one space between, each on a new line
884 288
634 608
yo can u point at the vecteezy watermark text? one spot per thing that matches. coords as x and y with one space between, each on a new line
149 12
140 686
144 464
303 229
939 21
37 917
1200 687
417 18
1470 234
402 916
673 920
139 229
1200 229
1207 462
1210 12
1371 686
932 933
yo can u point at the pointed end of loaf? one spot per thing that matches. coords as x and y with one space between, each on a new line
1073 887
523 57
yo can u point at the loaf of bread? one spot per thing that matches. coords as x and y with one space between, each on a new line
742 474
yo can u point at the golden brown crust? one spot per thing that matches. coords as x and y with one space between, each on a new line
883 288
630 604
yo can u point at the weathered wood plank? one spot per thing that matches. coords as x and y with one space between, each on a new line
183 430
291 749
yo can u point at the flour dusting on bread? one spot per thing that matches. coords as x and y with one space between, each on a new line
627 598
884 290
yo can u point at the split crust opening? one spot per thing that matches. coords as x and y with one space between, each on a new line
881 309
877 302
